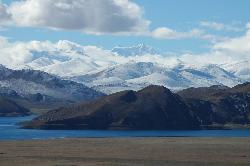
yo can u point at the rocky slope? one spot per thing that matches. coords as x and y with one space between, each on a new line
155 107
220 104
9 108
151 108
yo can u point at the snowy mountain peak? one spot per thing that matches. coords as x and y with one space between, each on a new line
140 49
2 67
69 46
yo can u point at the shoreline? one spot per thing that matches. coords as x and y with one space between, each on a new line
107 134
176 151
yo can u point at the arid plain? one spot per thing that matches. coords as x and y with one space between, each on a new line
176 151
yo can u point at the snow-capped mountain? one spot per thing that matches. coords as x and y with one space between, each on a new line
122 67
66 58
30 83
114 79
140 49
241 69
137 75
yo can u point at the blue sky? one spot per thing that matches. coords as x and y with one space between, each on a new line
178 15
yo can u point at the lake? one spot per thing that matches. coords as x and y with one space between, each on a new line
11 131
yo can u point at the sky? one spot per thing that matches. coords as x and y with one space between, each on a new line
177 26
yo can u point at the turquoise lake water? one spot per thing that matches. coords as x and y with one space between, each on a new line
10 131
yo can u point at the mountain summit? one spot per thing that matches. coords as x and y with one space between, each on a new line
140 49
154 107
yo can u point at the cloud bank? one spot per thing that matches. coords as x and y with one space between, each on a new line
89 16
19 54
116 17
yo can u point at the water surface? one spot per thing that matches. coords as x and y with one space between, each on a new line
10 131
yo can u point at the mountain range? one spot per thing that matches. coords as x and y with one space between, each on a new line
127 68
155 108
137 75
37 89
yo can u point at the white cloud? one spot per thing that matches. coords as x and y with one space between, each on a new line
90 16
219 26
166 33
229 51
122 17
239 45
223 50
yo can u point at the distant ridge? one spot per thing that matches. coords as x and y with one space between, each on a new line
37 89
